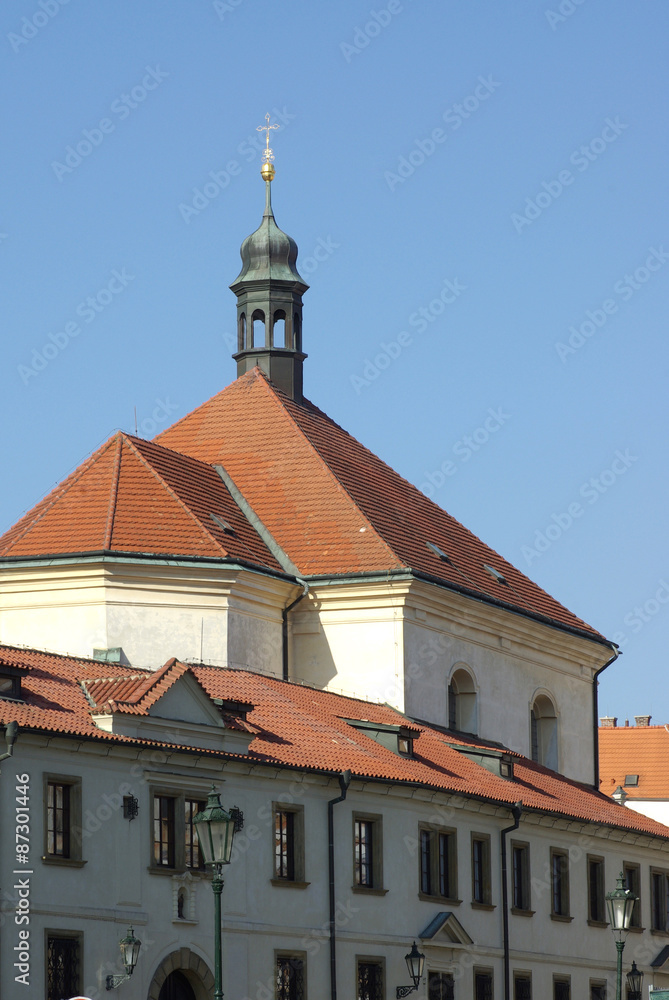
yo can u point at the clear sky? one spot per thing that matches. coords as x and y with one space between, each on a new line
478 191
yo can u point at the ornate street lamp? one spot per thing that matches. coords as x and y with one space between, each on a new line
130 946
634 983
215 830
415 961
620 902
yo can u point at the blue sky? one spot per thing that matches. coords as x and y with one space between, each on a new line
478 191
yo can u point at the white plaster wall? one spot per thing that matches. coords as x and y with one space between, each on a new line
506 685
115 888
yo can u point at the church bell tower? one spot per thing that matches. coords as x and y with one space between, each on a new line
269 293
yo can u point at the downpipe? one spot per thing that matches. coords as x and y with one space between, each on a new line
344 782
516 811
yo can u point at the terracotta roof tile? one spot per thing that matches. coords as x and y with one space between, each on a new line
301 727
135 496
334 507
642 750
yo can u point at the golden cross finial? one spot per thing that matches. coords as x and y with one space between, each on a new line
267 153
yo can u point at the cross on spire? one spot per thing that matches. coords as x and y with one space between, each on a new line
268 154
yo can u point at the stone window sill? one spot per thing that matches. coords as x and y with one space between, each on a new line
48 859
522 913
367 890
287 883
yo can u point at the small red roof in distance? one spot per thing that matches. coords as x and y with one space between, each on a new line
297 726
136 496
641 750
333 506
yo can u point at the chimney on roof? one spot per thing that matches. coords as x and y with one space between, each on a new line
642 721
609 722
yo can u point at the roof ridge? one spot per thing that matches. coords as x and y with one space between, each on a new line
61 490
174 495
113 496
63 656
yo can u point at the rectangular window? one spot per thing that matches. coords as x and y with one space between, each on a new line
440 986
163 831
561 989
370 979
522 986
597 991
62 819
58 822
481 880
284 844
659 894
367 852
520 855
438 862
192 844
63 965
290 977
596 911
559 883
482 985
364 852
632 873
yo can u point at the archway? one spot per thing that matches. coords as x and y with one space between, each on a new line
183 975
176 987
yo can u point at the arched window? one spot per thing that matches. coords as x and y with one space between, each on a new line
279 329
544 732
241 333
258 332
462 702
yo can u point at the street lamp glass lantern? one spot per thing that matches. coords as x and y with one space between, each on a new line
130 946
634 981
620 903
415 963
215 831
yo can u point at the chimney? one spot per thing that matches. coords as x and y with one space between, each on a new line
609 722
642 721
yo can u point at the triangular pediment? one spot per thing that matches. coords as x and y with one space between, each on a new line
445 929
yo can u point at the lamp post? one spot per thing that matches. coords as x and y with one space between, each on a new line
415 961
215 830
634 983
130 946
620 902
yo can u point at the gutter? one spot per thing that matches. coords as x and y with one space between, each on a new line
595 714
516 810
11 732
284 629
344 782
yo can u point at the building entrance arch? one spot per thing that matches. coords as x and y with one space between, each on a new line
183 975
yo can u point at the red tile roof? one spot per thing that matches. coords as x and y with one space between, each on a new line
333 506
642 750
136 496
301 727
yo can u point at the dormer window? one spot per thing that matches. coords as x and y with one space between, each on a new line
405 746
398 739
10 682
